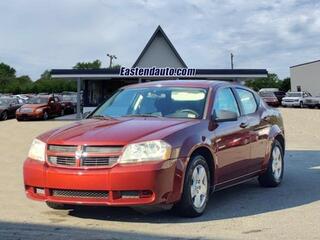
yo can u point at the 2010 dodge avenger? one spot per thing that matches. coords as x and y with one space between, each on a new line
167 142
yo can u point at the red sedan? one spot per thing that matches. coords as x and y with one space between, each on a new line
168 142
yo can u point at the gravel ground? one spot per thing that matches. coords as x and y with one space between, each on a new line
242 212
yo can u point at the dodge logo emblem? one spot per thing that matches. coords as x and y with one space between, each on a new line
79 154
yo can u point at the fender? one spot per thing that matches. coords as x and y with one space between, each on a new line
189 146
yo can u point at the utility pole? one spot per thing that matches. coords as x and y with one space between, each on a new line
231 58
111 58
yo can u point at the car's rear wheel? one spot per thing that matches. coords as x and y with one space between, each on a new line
274 174
4 115
196 188
59 206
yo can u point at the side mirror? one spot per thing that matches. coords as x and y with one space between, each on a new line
224 116
86 115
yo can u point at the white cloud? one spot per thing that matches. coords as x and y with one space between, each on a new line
273 34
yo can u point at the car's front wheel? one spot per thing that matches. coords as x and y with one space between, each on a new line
45 115
274 174
195 194
301 105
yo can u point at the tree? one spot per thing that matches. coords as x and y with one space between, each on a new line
7 71
285 85
88 65
272 81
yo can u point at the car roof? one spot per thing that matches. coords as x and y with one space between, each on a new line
182 83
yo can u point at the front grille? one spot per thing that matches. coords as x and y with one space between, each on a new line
83 156
79 193
62 148
85 162
60 160
26 110
98 161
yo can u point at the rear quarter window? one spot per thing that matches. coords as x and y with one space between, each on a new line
247 100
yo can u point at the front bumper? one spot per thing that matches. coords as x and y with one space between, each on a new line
290 104
29 116
123 185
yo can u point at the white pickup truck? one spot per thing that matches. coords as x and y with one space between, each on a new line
296 99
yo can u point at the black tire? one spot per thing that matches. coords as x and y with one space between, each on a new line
4 115
59 206
301 105
45 115
273 178
186 207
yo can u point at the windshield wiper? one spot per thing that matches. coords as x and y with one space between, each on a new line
103 117
143 115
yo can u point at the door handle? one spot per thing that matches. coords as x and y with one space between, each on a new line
244 124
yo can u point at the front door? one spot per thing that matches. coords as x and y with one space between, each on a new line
231 140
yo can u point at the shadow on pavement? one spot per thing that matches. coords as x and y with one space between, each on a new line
26 231
300 186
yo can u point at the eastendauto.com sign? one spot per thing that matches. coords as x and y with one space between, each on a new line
155 72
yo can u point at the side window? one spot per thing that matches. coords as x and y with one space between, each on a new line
247 100
225 101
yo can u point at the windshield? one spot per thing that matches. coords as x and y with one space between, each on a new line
294 94
4 101
171 102
266 94
69 98
37 100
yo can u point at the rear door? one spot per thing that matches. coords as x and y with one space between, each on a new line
231 139
257 127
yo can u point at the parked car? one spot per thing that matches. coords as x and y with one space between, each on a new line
279 95
164 142
21 98
270 98
40 107
69 103
8 107
295 99
312 102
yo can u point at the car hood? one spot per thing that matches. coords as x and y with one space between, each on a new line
114 132
33 106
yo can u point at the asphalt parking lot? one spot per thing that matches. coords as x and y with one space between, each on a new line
247 211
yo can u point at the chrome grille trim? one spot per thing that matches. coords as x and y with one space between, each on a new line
62 148
79 193
102 149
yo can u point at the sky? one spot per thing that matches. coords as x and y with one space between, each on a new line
36 35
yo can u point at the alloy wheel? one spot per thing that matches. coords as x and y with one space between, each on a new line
199 186
276 163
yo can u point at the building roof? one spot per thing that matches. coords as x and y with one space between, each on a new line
302 64
159 31
200 73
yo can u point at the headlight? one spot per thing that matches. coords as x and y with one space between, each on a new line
39 110
37 150
146 151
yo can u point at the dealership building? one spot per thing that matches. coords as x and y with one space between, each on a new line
159 60
306 77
